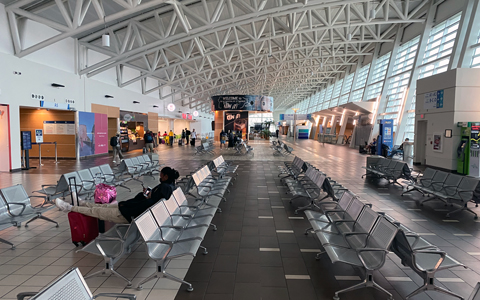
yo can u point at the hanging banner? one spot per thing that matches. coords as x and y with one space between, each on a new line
242 102
92 133
236 122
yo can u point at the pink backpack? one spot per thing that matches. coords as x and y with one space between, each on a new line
105 194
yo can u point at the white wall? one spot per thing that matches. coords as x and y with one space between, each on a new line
56 64
461 104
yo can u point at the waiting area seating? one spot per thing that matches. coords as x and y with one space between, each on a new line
86 179
446 187
241 148
389 169
205 148
351 232
16 208
422 257
70 285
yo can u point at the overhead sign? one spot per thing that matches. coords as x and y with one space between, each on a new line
46 104
171 107
290 117
38 136
433 100
242 102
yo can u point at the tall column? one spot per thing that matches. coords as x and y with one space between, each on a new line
218 124
412 83
344 122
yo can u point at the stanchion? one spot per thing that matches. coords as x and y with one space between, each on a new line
40 154
56 161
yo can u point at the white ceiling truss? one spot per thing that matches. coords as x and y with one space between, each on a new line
196 49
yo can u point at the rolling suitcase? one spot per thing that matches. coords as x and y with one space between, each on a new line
83 228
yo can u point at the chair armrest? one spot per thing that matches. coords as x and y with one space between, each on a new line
116 295
14 203
437 252
22 296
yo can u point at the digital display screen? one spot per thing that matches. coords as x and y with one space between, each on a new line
26 140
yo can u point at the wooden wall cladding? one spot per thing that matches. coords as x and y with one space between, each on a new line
110 111
112 129
153 121
31 119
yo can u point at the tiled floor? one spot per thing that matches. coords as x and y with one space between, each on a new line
259 250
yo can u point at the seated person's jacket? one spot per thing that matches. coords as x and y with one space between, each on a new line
132 208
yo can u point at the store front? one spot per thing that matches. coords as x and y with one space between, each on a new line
133 127
232 114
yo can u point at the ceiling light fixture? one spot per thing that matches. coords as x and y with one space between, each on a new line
135 102
108 96
105 36
57 85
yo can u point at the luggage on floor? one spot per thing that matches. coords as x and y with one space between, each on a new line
83 228
191 142
162 141
144 150
105 194
180 142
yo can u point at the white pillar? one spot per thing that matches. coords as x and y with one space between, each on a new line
344 122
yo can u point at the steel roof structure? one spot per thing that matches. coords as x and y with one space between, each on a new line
194 49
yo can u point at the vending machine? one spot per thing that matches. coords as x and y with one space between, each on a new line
468 150
474 160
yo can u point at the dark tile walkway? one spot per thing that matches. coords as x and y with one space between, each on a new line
259 250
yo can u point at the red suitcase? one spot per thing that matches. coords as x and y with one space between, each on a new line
84 229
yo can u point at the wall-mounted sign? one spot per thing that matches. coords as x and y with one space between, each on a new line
195 113
290 117
59 127
92 133
433 100
242 102
38 136
55 105
171 107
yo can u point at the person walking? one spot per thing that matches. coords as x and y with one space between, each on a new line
126 211
187 135
183 136
194 137
117 149
149 141
170 137
230 139
223 138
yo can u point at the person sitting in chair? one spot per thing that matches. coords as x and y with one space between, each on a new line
125 211
399 149
372 146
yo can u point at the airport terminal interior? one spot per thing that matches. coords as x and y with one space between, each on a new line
325 149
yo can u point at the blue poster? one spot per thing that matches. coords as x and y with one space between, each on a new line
386 135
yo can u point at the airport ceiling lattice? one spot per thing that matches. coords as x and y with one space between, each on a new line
193 49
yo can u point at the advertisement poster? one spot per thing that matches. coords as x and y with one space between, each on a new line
237 121
437 142
242 102
92 133
101 133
